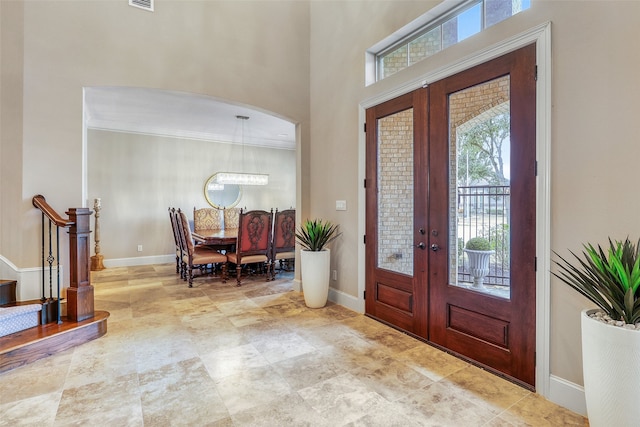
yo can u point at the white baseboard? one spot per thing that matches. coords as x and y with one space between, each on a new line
142 260
567 394
346 300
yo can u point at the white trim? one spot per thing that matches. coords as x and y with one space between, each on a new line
297 285
142 260
541 35
362 212
567 394
346 300
543 210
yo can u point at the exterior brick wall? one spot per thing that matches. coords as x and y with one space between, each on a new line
395 192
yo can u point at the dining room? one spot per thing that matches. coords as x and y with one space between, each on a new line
164 163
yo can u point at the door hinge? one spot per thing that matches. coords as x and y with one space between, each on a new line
535 76
365 183
535 358
365 127
535 263
536 168
364 295
364 239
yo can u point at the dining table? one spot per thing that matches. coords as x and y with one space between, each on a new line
221 238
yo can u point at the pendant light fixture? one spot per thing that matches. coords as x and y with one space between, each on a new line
242 178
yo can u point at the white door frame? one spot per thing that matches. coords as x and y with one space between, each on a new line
554 389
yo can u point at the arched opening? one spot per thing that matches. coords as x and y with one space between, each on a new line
148 149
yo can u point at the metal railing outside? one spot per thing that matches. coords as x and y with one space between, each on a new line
484 211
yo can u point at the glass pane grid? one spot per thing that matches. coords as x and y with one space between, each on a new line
445 31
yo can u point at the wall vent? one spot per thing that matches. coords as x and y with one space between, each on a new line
142 4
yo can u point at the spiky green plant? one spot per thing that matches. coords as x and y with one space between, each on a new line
608 279
315 235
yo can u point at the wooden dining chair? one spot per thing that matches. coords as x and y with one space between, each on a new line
254 241
206 219
176 239
231 217
284 239
199 257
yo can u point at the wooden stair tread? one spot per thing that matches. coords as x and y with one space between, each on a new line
35 343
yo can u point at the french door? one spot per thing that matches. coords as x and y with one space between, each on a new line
445 164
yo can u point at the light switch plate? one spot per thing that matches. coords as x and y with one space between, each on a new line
341 205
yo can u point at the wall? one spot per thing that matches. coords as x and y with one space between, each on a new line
11 86
137 177
594 127
252 52
257 53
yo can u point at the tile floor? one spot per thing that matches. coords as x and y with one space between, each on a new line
218 355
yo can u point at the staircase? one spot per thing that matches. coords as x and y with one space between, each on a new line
16 317
32 330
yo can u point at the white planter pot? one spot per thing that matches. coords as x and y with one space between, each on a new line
314 272
611 370
478 265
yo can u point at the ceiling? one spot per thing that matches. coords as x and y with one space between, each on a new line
184 115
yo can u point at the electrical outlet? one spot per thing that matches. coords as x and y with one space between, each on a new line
334 274
139 248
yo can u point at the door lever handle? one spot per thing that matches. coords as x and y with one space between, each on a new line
421 245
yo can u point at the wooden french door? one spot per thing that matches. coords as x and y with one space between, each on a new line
396 264
446 164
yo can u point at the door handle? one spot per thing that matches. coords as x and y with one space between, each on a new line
421 245
435 248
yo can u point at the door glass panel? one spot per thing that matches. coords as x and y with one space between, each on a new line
479 193
395 192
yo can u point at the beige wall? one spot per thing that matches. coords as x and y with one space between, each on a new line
258 53
137 177
254 53
594 126
11 84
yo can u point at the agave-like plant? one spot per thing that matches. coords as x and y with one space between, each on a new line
608 279
315 235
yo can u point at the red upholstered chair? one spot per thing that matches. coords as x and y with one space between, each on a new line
254 241
284 239
197 256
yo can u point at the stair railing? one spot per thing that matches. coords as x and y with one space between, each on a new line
80 302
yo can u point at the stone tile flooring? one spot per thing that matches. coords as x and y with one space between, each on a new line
218 355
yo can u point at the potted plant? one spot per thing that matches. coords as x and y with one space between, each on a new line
315 259
610 337
478 250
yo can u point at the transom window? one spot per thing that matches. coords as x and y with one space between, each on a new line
450 27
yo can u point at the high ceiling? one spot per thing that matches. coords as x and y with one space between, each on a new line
184 115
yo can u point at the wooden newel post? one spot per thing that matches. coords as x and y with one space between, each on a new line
80 294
